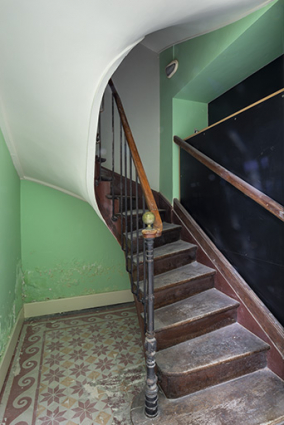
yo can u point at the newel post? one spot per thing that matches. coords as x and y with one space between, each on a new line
151 392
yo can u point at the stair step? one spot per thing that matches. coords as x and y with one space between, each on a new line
130 200
180 283
106 178
167 250
140 212
171 233
100 160
254 399
106 175
209 359
194 316
169 256
127 217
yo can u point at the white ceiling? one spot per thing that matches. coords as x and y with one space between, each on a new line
56 59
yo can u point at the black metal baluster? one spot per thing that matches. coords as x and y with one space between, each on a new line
99 143
131 222
121 186
114 218
125 204
137 238
144 271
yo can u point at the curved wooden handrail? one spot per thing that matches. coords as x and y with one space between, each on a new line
248 190
149 197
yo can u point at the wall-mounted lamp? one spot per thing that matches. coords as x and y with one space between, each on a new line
171 68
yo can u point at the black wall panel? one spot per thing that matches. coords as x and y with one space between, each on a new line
259 85
251 146
249 236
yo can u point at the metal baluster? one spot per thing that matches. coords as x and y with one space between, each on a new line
99 143
144 270
137 238
151 392
131 223
121 186
125 204
114 217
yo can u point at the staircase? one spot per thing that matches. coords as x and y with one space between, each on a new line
211 370
200 344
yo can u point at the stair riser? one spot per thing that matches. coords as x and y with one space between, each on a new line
185 331
181 291
167 237
167 263
121 202
175 386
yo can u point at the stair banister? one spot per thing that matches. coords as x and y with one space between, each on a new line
151 391
125 226
149 197
248 190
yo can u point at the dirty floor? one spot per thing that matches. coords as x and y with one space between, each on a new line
76 369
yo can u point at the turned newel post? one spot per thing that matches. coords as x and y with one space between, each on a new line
151 393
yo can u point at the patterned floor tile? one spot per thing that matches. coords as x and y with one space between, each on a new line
81 369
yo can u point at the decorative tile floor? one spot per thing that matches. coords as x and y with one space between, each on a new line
80 369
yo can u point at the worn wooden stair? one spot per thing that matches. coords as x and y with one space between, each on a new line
253 399
200 345
211 370
206 361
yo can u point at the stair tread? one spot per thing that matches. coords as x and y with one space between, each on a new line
193 308
253 399
182 274
140 212
216 347
166 228
117 196
168 249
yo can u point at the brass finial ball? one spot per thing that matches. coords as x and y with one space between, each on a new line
148 218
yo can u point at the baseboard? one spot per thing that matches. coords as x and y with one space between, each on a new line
9 351
77 303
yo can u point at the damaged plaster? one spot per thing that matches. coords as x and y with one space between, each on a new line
67 251
70 280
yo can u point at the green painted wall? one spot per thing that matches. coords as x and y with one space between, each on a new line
208 66
10 246
66 249
188 116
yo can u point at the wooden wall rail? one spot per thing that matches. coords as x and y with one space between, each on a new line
248 190
236 113
149 197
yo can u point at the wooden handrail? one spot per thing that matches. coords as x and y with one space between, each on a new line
149 197
236 113
248 190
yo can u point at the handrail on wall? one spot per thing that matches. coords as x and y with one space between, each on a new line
149 197
248 190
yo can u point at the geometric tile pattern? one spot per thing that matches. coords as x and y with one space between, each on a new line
80 369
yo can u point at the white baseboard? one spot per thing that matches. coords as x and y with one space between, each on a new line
10 348
77 303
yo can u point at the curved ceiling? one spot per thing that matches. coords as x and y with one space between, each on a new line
56 59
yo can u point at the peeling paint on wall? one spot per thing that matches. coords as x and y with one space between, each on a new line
67 251
69 280
8 320
10 246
